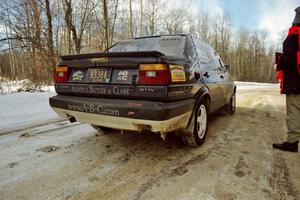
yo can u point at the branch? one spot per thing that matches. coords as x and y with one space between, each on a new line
14 38
15 47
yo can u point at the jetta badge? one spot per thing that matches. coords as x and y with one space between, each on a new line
77 76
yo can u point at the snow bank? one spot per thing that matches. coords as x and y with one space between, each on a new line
23 86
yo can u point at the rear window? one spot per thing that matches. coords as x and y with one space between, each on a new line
168 45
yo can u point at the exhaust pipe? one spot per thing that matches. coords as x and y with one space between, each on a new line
72 119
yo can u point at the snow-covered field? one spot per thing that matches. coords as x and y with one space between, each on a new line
253 85
20 110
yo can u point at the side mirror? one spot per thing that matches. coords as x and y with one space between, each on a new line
227 67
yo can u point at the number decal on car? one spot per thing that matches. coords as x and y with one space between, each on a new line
99 75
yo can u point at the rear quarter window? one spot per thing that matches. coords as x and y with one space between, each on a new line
205 55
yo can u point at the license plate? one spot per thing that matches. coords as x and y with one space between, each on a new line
99 75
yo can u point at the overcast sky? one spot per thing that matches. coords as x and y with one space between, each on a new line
273 16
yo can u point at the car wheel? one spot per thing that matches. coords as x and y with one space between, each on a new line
201 123
200 126
102 129
231 107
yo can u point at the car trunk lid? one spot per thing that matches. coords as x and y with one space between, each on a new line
138 75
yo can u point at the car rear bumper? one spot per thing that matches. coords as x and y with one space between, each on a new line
125 114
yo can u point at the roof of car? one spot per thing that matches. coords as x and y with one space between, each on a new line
179 34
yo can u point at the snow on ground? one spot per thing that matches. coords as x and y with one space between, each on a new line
7 87
19 110
252 85
72 161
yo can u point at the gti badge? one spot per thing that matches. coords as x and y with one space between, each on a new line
77 76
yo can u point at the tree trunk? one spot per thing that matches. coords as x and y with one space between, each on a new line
114 23
71 27
130 20
141 19
105 16
50 39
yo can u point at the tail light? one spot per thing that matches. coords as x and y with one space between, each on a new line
61 74
154 74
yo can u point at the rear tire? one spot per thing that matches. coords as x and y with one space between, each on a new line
231 106
102 129
198 136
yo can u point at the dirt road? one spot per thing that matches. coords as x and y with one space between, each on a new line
70 161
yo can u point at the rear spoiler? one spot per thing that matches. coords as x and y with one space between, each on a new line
113 54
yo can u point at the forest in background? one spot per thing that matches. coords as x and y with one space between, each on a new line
35 33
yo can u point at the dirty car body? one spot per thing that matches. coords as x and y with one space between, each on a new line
151 83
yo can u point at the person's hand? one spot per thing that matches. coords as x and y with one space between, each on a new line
275 67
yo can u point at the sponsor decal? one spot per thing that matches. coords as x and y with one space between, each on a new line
100 90
134 104
91 108
99 59
146 90
131 113
121 91
97 90
77 75
180 91
177 73
110 90
123 75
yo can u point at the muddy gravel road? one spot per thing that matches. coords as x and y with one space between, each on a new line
59 160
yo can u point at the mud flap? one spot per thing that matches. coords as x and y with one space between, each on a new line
188 134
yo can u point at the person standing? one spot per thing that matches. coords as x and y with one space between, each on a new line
291 85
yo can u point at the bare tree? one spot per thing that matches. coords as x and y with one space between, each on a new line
222 34
85 14
130 19
175 20
106 21
203 28
141 17
50 37
37 32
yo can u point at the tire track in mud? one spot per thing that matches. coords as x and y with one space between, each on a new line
59 125
280 180
182 168
33 126
112 151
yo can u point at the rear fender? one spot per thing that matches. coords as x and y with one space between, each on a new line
202 93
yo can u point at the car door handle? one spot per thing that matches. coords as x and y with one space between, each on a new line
222 76
206 74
